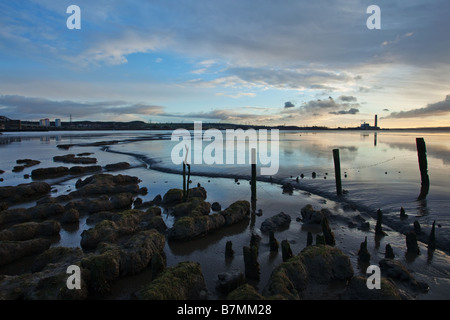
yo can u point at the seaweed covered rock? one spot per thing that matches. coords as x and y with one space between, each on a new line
277 222
117 166
14 250
190 227
357 290
197 192
396 271
24 192
122 224
48 280
106 184
311 216
245 292
228 281
172 197
320 264
52 172
182 282
30 230
71 158
192 207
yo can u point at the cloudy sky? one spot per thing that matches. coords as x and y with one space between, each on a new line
268 62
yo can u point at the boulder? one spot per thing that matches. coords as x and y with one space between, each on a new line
394 270
172 197
53 172
277 222
14 250
236 212
216 207
30 230
357 290
245 292
71 158
24 192
106 184
320 264
117 166
182 282
192 207
48 280
198 192
228 281
311 216
70 216
137 252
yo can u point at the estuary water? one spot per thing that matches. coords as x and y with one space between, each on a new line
379 171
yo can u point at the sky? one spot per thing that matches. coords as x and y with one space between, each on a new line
288 62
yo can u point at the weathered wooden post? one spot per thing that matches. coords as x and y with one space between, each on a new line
423 166
253 180
337 170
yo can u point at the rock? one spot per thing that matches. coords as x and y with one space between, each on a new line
394 270
320 239
30 230
236 212
192 207
26 164
252 269
357 290
198 192
245 292
16 215
24 192
182 282
216 207
45 211
103 267
275 223
14 250
173 197
325 264
3 206
309 239
70 216
45 173
122 201
190 227
117 166
106 184
137 252
157 200
71 158
229 281
48 280
68 256
157 264
311 216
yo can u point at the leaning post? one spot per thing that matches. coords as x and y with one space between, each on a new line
337 170
423 166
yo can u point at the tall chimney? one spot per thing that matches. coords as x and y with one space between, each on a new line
376 121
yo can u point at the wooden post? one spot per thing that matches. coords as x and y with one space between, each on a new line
337 170
423 166
253 180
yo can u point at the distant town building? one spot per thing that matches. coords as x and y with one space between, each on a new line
8 124
58 123
44 122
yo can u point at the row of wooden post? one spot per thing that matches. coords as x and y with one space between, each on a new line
423 166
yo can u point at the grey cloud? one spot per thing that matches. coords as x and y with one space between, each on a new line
433 109
348 98
40 107
350 111
289 105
